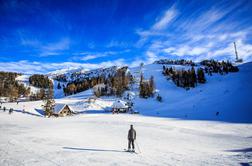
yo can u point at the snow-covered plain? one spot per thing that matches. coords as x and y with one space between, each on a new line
182 130
100 139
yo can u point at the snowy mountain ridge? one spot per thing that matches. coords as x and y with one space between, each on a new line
66 70
78 75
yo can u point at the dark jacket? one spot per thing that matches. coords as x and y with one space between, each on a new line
132 134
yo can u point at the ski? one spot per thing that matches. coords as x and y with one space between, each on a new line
130 151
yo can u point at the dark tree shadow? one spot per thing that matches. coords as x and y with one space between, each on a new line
26 112
245 164
40 111
92 112
94 150
245 150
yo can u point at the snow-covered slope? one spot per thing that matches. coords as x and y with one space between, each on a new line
78 75
182 130
24 79
230 95
68 76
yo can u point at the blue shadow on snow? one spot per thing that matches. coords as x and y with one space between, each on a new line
94 150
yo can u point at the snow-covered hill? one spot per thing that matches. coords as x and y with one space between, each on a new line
78 75
24 79
230 95
181 130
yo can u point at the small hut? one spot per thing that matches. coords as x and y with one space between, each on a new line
120 106
4 99
22 99
62 110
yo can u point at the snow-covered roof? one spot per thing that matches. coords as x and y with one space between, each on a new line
59 107
99 86
120 104
4 99
22 98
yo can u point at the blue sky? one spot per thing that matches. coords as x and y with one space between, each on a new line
44 35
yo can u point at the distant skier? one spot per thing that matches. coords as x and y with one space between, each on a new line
10 110
131 138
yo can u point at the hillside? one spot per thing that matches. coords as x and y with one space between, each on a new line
181 130
227 94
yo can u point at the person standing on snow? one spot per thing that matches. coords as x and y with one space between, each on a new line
131 138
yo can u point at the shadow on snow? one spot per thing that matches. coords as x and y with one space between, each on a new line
244 150
93 150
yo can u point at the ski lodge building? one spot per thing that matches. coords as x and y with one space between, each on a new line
120 106
62 110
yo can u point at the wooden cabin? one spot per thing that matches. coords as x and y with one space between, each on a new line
120 106
62 110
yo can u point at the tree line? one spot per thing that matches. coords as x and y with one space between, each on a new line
185 78
212 66
175 62
45 85
40 81
190 78
43 93
146 87
114 84
9 86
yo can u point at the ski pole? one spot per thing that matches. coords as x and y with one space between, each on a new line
138 147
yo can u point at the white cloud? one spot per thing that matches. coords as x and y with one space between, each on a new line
157 28
151 57
244 51
118 62
89 57
63 44
48 49
166 19
85 56
55 48
202 33
182 50
39 67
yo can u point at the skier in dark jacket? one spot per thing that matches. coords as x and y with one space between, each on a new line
131 138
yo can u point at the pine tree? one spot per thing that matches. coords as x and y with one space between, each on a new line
201 76
48 107
159 98
72 88
49 102
13 93
152 85
59 86
50 90
141 78
193 77
41 94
